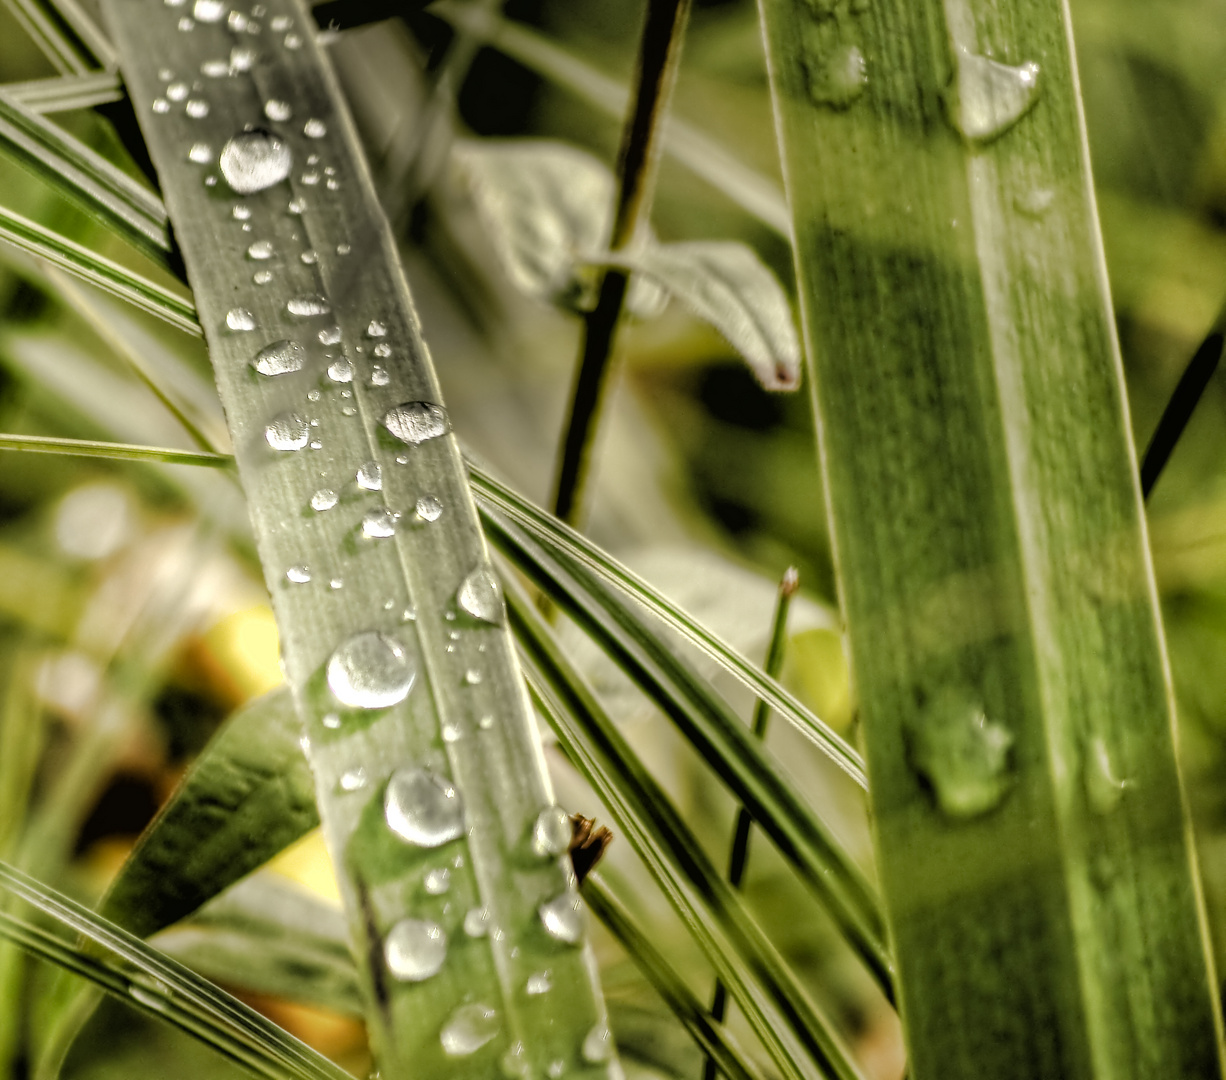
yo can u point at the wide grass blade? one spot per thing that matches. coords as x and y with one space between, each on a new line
428 773
1033 841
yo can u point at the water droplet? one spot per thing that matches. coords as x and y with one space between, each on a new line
514 1063
201 153
556 1069
353 779
477 922
371 671
197 108
486 722
314 395
281 23
451 732
382 350
379 376
293 41
840 77
323 499
255 160
240 319
287 431
299 575
332 721
370 476
551 832
278 110
414 422
215 69
1035 202
562 918
279 358
177 91
415 949
409 614
423 808
961 754
209 11
540 982
341 370
236 21
597 1044
336 583
343 249
262 277
242 57
261 249
987 97
333 185
308 258
297 207
376 329
429 508
310 178
160 105
308 305
480 595
469 1028
438 881
314 129
186 25
240 211
379 523
329 335
1103 788
472 677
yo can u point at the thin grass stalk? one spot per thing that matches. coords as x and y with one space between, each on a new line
738 857
44 444
1032 837
638 162
429 776
67 92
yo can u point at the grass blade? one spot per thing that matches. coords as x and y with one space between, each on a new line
43 444
67 92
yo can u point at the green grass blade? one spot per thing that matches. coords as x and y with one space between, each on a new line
42 444
194 993
394 706
98 271
1033 841
67 92
84 176
49 35
796 1036
711 1038
561 541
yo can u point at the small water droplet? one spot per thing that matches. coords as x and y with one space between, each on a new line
310 178
379 523
341 370
299 575
414 422
186 25
308 258
314 128
160 105
262 277
429 508
987 98
281 23
540 982
261 249
308 305
201 153
329 335
370 476
297 207
240 319
353 779
287 431
597 1044
409 614
1035 202
415 949
333 185
293 41
240 211
840 77
514 1063
961 754
278 110
177 91
197 108
472 677
562 918
376 329
279 358
383 349
323 499
242 57
371 670
469 1028
423 808
336 583
451 732
314 395
480 595
486 722
438 881
332 721
215 69
379 376
477 922
209 11
343 249
551 832
255 160
1103 788
556 1069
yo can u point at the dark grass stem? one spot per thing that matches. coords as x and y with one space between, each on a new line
638 161
739 856
1179 409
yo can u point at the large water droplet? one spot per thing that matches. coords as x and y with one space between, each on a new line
278 110
287 431
240 319
1103 788
279 358
480 595
209 11
260 250
477 922
370 476
341 370
255 160
308 305
562 918
987 97
551 832
379 523
429 508
963 756
414 422
423 808
540 982
314 129
371 671
323 499
598 1044
415 949
438 881
469 1028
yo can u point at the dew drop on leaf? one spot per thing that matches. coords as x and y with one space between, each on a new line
279 358
477 922
370 476
468 1029
240 211
323 499
988 97
260 250
429 508
414 422
240 319
480 595
353 779
551 832
423 808
287 431
314 129
197 108
415 949
201 153
437 881
299 575
562 918
242 58
177 91
379 523
262 277
541 982
371 670
209 11
329 335
598 1044
276 109
961 755
255 160
307 305
341 370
